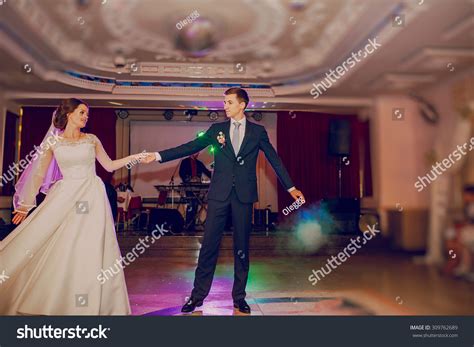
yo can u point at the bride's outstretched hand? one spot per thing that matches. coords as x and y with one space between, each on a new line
147 157
19 217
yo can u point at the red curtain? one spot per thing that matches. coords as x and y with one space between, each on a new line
36 122
367 179
9 153
303 141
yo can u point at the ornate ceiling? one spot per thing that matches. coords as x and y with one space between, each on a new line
281 47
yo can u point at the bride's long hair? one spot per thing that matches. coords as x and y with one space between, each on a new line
61 112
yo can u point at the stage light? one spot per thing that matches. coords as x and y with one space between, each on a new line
168 114
211 150
258 116
200 134
82 4
122 114
120 61
213 115
298 5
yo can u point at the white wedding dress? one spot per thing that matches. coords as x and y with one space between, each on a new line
51 262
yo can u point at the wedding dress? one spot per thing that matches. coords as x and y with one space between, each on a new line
51 262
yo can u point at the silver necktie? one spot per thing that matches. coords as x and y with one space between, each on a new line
236 137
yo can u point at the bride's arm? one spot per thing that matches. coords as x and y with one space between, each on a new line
29 184
112 165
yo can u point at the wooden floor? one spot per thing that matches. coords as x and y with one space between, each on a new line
373 282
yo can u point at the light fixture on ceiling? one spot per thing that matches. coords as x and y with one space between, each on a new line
298 4
83 3
197 38
115 103
120 61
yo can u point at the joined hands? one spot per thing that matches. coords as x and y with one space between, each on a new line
145 157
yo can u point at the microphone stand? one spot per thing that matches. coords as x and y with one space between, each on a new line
172 183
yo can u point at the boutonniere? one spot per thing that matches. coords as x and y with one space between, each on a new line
221 138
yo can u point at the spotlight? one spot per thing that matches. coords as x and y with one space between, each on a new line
83 3
258 116
190 114
120 61
213 115
122 114
298 4
168 114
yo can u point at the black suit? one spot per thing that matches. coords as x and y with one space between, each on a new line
233 186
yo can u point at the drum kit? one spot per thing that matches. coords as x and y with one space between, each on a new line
183 198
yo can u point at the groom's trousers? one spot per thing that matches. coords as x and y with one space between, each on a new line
217 213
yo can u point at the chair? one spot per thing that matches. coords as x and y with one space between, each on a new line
122 209
135 207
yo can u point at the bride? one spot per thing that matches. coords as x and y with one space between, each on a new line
50 263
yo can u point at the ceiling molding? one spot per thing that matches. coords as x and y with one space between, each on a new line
399 81
463 28
437 58
323 101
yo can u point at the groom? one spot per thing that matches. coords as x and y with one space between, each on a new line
233 187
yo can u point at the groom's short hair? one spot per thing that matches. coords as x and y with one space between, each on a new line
241 94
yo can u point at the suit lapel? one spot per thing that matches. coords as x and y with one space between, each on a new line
228 149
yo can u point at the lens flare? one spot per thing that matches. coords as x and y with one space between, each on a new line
310 227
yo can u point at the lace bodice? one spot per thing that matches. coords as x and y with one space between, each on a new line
76 158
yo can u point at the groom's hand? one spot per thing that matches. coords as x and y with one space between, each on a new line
148 158
296 194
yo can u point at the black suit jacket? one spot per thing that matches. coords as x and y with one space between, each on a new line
230 168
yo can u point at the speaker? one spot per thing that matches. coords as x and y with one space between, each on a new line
6 229
172 220
345 213
339 137
264 218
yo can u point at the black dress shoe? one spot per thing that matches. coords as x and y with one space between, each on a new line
242 306
191 305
